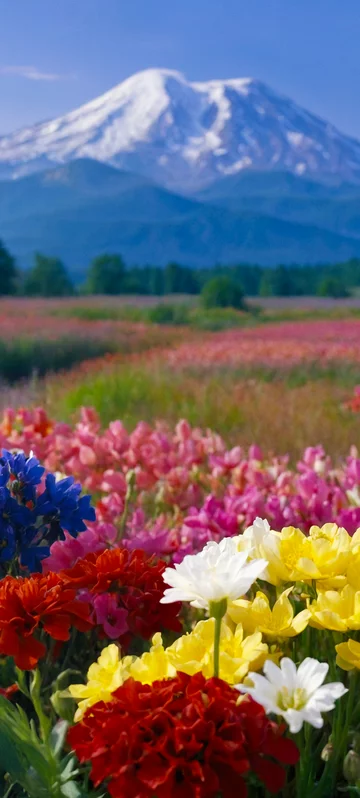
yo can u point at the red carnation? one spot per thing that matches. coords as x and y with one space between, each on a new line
28 605
181 738
136 581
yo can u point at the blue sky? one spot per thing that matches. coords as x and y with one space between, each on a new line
57 54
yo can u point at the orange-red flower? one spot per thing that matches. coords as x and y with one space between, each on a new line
30 605
135 580
8 692
181 738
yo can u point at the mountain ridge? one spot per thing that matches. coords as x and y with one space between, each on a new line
186 134
84 208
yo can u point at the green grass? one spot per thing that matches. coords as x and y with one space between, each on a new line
196 317
167 314
281 413
342 373
24 357
102 313
134 392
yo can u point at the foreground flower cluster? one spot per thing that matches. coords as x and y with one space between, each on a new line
170 641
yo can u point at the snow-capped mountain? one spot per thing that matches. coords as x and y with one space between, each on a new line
186 135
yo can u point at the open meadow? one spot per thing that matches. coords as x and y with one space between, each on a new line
162 428
278 378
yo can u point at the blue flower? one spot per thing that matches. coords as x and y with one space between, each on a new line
33 548
63 508
26 471
13 517
28 533
31 557
4 474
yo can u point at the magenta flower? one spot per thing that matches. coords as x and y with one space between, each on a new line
112 618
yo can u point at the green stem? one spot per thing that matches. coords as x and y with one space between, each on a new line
217 611
341 724
35 694
304 767
131 482
9 790
342 744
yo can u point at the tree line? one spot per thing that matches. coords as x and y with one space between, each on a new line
108 274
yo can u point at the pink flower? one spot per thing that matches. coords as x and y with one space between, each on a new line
65 553
154 537
113 482
350 519
112 618
225 462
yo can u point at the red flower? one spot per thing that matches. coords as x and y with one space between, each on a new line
181 738
29 605
8 692
136 581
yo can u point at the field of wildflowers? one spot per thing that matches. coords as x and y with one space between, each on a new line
36 338
281 346
180 559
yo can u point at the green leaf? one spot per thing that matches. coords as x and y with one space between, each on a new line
72 790
68 767
58 736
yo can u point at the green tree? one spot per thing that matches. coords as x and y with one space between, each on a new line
48 277
106 275
278 281
282 281
222 292
266 287
332 287
8 272
179 280
156 280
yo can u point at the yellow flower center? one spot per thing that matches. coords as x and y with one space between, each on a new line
291 549
292 699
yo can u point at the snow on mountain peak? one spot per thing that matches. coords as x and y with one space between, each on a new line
187 134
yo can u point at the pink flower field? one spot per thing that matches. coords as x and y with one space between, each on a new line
273 345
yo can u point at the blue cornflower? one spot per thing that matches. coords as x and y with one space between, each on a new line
25 471
4 474
62 506
13 518
33 549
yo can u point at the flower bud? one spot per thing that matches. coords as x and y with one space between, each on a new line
64 705
327 752
351 768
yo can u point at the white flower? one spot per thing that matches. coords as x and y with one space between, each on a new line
298 695
256 534
259 541
219 571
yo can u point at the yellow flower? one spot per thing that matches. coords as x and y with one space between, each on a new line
336 610
284 551
348 655
323 555
280 549
153 665
110 672
194 652
331 553
353 569
103 678
279 621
